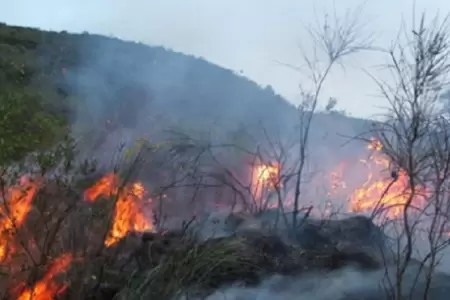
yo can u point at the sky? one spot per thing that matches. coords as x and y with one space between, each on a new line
255 37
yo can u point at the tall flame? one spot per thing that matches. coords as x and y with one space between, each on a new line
265 176
47 288
13 212
128 215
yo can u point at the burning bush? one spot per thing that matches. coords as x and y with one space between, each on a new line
47 226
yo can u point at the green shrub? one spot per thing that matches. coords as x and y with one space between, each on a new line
25 125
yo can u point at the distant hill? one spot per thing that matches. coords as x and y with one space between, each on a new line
106 84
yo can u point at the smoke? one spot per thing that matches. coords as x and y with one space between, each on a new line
346 283
247 36
127 90
343 284
130 91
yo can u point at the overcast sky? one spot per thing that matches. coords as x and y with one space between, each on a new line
248 35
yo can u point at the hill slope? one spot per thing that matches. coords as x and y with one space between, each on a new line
106 84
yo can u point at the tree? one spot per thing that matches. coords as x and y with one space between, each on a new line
25 125
416 138
289 152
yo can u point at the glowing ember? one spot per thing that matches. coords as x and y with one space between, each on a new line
138 190
267 174
375 144
47 288
128 215
336 180
13 212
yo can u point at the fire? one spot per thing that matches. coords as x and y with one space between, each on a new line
386 194
267 173
336 180
375 144
13 212
376 195
47 288
128 215
265 176
106 186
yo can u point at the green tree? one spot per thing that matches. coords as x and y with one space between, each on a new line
25 125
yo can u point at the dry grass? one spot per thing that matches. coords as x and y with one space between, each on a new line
202 267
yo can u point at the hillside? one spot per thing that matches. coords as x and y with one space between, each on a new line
189 218
107 84
107 91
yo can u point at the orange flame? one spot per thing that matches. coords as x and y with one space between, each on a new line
387 194
106 186
128 215
13 212
47 288
336 180
265 176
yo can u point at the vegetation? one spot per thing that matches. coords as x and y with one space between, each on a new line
45 61
26 125
56 87
50 82
247 257
416 139
88 79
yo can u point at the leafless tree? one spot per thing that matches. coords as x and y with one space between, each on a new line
333 40
415 137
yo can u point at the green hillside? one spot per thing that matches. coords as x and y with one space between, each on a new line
106 84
